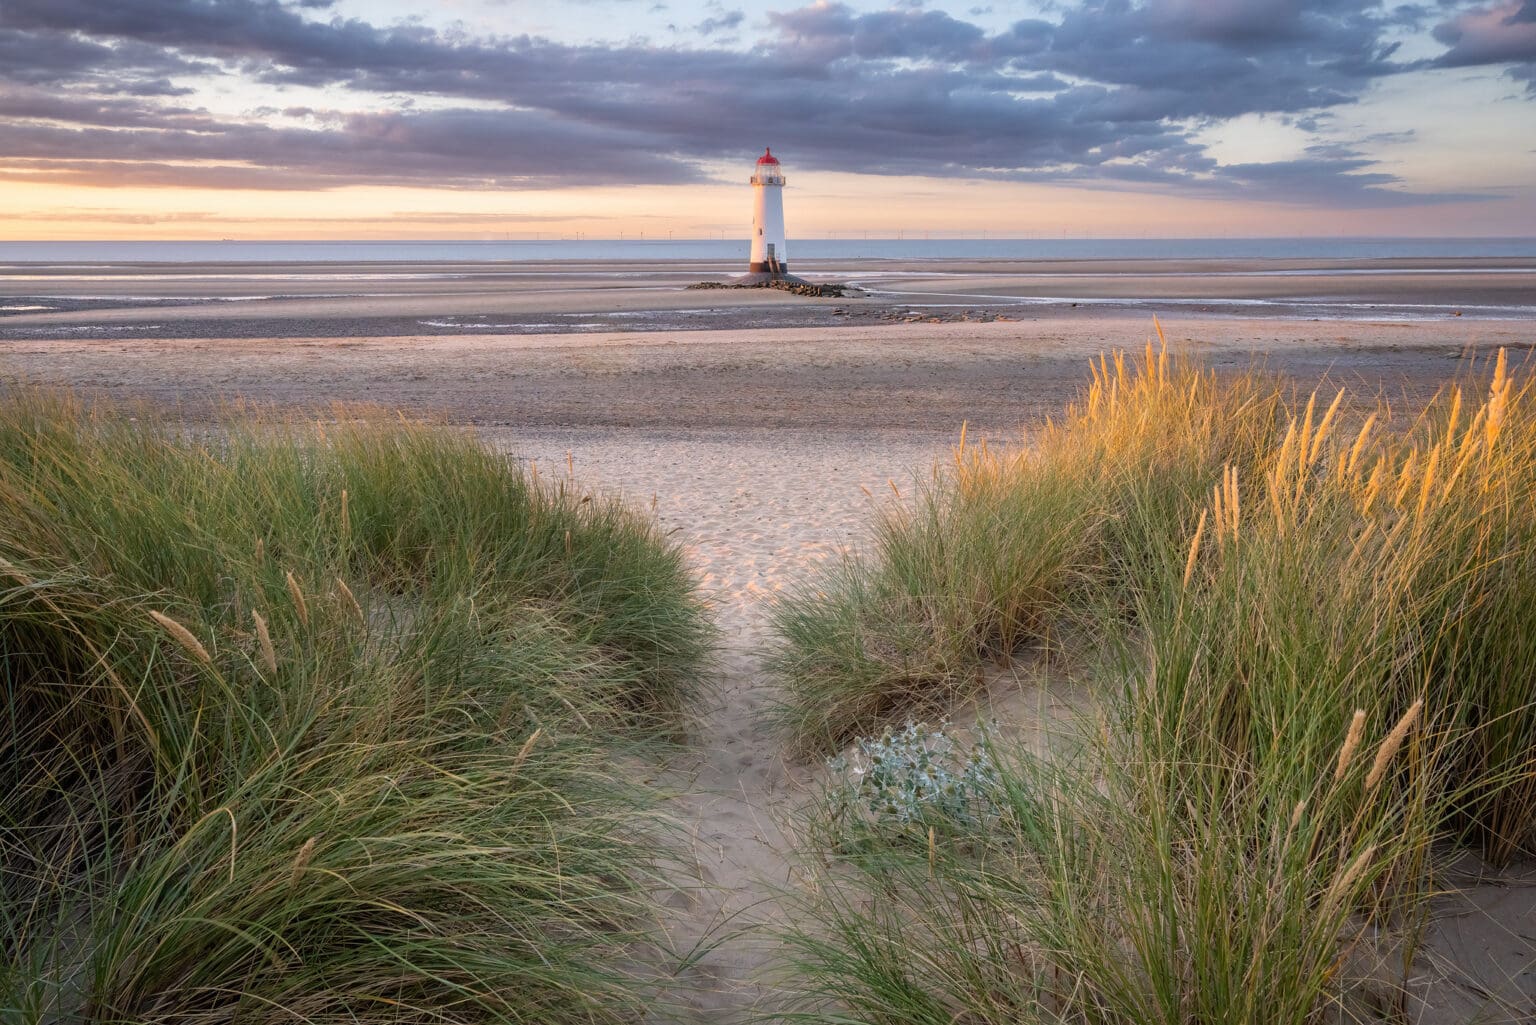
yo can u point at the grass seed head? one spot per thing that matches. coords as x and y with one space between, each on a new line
1194 550
346 592
1359 446
301 861
264 640
1339 892
1351 742
1391 744
298 598
522 752
183 636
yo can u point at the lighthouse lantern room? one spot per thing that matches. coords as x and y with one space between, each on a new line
769 256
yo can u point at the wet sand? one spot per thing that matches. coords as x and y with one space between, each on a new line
244 300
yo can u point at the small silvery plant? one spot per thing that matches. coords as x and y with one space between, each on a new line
914 775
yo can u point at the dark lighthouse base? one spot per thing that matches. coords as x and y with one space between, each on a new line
763 273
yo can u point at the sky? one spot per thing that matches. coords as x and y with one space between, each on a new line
489 119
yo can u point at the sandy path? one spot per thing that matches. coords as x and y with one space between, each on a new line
758 516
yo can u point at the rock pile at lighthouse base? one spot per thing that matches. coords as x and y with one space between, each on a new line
792 285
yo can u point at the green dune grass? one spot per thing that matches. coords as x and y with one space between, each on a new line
308 724
1311 653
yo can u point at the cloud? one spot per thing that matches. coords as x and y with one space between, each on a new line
32 104
1110 90
110 215
453 148
725 21
53 56
1215 58
1504 33
827 31
1331 177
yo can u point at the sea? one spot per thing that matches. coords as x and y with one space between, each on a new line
86 254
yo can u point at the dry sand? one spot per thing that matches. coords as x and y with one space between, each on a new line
758 516
902 378
757 447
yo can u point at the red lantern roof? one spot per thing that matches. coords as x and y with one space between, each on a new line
767 157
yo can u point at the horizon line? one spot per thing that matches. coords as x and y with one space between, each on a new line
831 237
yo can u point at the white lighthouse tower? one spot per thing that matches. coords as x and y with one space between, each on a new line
770 256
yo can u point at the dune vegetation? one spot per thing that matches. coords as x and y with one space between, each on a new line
1308 626
340 722
328 724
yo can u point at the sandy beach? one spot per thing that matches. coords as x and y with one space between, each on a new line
763 433
913 379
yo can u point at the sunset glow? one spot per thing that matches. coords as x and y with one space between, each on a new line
173 119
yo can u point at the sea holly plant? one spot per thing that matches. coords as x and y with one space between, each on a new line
917 775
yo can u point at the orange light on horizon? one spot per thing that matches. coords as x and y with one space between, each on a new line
817 205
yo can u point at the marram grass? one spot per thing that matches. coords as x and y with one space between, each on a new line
321 725
991 554
1312 629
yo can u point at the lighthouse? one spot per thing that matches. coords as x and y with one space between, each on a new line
770 256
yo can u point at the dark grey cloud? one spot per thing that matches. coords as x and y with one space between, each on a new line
52 57
1109 91
1503 33
31 104
1214 58
835 31
456 148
